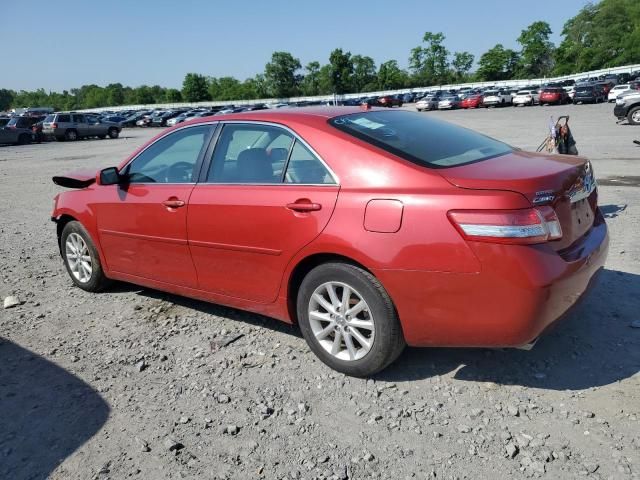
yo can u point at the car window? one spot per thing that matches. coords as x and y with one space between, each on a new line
305 167
249 153
92 119
64 118
421 139
171 159
79 119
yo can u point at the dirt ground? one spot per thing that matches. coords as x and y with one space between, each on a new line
135 383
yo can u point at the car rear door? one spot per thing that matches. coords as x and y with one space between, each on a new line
264 196
142 222
80 124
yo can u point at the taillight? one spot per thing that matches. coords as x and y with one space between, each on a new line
54 125
526 226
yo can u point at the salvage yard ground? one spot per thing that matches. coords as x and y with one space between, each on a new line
135 383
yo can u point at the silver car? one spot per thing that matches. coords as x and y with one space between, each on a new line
74 126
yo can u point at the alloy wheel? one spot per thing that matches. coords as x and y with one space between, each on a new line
341 321
78 258
635 116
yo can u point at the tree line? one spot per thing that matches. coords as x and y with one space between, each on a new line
601 35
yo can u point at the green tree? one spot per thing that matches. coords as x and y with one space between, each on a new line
429 62
462 63
310 84
280 75
325 80
341 71
364 73
536 56
390 76
195 88
173 95
601 35
6 99
114 94
498 63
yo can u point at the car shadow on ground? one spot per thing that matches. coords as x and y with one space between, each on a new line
612 211
215 310
46 413
594 346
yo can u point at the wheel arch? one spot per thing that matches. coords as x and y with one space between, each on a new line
303 267
61 222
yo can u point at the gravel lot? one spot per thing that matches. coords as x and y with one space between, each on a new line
135 383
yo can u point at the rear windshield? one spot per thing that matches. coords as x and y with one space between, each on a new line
420 139
584 89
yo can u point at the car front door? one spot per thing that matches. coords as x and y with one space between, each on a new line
142 222
265 196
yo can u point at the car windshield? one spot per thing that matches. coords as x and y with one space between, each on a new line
420 139
491 92
584 89
524 92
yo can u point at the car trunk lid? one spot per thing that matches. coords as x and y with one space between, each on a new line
564 182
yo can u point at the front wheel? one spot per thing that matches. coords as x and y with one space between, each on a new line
81 258
113 133
348 319
634 116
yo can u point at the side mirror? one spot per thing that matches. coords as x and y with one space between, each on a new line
110 176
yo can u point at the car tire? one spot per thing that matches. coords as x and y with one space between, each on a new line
81 258
24 139
377 319
71 135
633 116
113 133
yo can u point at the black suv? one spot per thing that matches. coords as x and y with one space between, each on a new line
589 94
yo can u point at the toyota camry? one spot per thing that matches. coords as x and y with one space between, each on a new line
371 229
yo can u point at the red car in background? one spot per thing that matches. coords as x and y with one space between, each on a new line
371 229
554 95
472 101
390 101
606 86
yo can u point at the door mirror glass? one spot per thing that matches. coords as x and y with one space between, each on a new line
109 176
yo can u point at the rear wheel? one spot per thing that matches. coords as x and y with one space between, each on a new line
348 319
634 116
71 135
113 133
81 258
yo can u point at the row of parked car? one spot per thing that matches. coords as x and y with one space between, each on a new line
549 94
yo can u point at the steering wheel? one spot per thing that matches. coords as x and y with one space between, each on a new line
180 171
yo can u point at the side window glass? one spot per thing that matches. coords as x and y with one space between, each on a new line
304 167
171 159
64 118
79 119
248 153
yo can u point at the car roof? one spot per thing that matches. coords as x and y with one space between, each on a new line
306 115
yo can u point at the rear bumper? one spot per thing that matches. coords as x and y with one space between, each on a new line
519 293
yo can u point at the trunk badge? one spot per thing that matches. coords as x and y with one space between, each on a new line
545 196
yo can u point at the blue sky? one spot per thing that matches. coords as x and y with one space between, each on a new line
68 43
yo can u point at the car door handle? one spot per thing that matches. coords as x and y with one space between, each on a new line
173 203
304 205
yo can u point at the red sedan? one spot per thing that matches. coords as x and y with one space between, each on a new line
472 101
371 229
